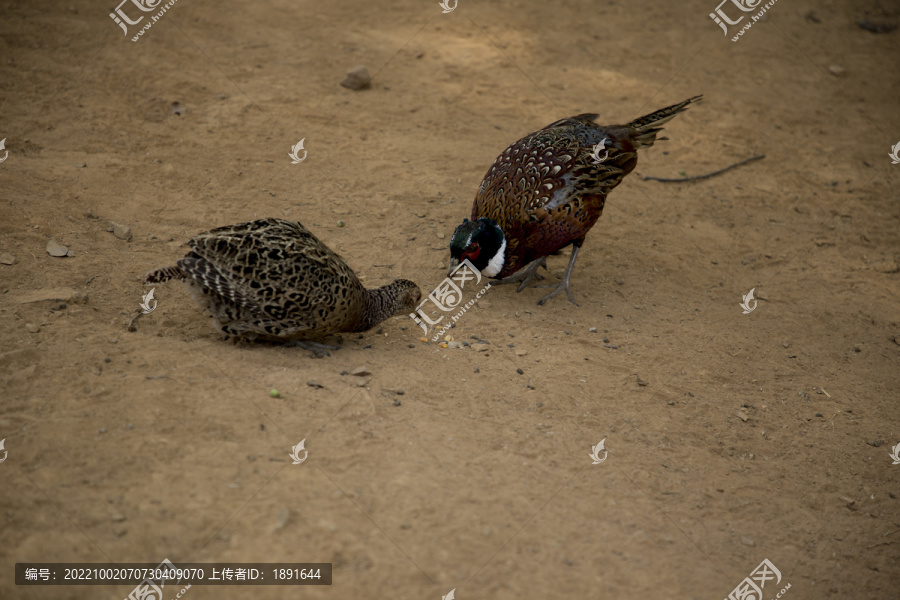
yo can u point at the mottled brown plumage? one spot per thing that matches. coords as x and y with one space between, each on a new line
272 279
547 190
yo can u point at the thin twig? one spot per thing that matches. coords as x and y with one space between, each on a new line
130 326
707 175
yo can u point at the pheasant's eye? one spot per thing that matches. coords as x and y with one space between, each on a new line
472 251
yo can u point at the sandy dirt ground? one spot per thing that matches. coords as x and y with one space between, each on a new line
731 438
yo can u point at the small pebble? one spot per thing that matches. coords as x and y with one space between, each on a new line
340 223
32 328
123 232
399 392
747 541
103 430
361 371
7 259
611 346
592 330
397 402
606 340
379 331
357 78
671 402
477 370
641 382
313 384
274 393
58 250
520 371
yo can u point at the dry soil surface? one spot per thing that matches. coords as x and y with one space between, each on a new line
731 438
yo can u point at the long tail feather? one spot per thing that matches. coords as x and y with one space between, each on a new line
649 125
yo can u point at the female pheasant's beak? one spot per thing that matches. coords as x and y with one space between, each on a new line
454 262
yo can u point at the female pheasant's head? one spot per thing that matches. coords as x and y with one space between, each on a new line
482 243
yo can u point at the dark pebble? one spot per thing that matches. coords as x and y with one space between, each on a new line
520 371
344 373
412 345
313 384
611 346
379 331
818 414
397 402
262 427
530 387
107 360
477 370
367 346
400 392
605 340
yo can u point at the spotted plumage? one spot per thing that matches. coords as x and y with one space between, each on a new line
272 279
547 190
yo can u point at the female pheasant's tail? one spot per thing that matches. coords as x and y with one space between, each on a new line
164 274
646 127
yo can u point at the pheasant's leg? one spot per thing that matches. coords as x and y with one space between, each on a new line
526 275
564 284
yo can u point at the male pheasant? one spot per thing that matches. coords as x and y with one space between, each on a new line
547 190
272 279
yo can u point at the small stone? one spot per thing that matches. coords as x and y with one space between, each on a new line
477 370
363 382
521 352
747 541
441 236
379 331
118 517
481 348
274 393
361 372
54 249
641 382
112 341
397 402
400 392
176 108
621 282
102 430
592 330
32 328
340 223
123 232
671 403
520 371
611 346
742 415
281 519
315 385
7 259
357 78
90 214
836 70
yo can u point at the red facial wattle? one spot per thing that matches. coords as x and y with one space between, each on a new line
471 253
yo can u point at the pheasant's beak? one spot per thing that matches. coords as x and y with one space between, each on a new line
453 264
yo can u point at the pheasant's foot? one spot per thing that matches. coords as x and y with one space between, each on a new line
527 275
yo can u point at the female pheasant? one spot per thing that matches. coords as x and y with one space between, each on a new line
273 280
547 190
